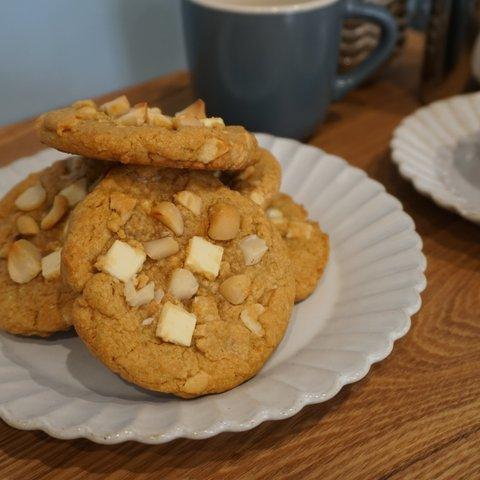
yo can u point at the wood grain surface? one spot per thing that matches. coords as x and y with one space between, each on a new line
415 416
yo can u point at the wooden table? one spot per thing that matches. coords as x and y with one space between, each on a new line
415 416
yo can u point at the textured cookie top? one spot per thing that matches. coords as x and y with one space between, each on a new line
307 244
185 287
260 182
142 135
33 216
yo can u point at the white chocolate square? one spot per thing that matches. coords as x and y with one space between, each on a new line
176 325
122 261
204 257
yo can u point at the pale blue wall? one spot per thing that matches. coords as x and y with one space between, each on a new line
55 51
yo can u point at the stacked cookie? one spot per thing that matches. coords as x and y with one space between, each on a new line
179 268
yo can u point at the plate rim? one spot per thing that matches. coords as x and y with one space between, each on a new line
400 160
266 413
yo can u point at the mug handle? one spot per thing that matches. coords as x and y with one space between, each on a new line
344 83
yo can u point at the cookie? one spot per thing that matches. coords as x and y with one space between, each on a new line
33 216
184 286
141 135
260 182
307 244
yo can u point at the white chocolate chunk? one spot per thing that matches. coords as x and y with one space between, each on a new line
189 200
122 261
183 284
204 257
138 298
176 325
210 150
135 116
275 215
194 110
161 248
51 265
75 192
156 118
212 122
23 261
297 229
31 198
253 248
116 107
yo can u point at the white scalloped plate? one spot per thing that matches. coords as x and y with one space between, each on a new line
438 149
364 303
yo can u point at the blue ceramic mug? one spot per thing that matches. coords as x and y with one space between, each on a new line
271 65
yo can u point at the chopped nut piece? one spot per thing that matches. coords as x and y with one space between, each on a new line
86 112
170 216
159 294
138 298
224 222
26 225
116 107
147 322
24 261
58 210
179 122
249 317
257 197
161 248
156 118
122 261
84 103
183 284
195 110
204 257
176 325
189 200
211 149
135 116
31 198
253 248
75 192
197 383
212 122
297 229
51 265
236 288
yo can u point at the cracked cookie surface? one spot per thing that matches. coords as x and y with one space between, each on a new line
145 136
184 286
307 244
33 300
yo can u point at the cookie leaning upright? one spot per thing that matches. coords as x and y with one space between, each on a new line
145 136
33 215
307 244
184 286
